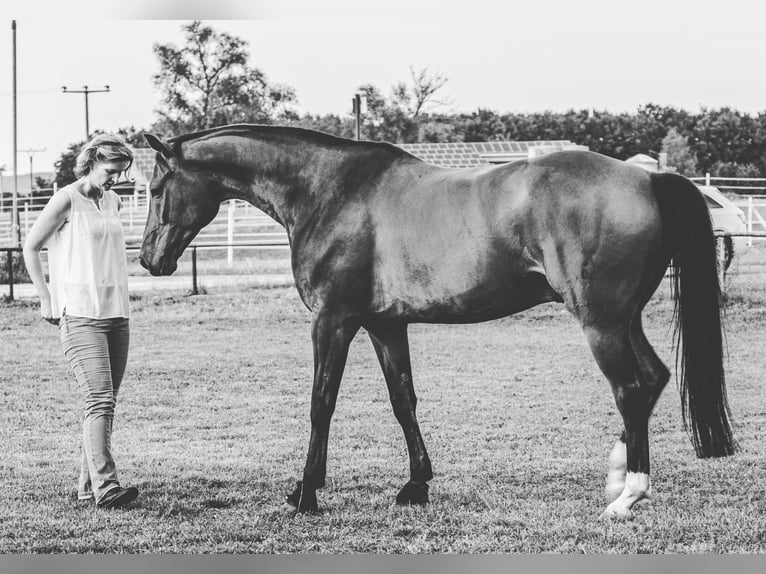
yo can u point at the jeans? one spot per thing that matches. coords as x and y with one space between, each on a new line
97 351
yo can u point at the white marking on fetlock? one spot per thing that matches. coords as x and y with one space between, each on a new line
615 478
637 486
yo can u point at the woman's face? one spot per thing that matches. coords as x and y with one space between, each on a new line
106 173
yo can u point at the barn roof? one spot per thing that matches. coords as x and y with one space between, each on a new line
469 154
143 165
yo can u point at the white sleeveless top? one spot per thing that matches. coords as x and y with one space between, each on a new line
87 260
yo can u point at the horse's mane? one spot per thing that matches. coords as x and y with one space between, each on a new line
320 138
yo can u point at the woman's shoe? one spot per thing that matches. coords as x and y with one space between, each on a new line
118 497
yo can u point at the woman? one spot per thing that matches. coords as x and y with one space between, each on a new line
88 299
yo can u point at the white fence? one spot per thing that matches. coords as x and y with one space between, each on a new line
753 204
236 222
239 222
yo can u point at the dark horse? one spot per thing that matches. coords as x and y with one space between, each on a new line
381 239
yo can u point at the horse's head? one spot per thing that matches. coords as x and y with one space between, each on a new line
182 202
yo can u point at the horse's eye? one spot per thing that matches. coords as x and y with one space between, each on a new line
156 188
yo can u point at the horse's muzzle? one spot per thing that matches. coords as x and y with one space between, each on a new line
163 267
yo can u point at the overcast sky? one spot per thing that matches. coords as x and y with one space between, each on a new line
503 55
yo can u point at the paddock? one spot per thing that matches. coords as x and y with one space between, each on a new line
212 429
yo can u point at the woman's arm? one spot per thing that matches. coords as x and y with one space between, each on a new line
52 217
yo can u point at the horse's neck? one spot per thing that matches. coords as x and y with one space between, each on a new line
278 177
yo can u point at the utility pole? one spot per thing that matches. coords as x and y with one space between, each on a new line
85 91
31 152
15 226
2 190
359 107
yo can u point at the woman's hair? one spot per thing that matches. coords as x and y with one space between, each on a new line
102 148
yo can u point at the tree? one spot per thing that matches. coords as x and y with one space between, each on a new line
726 136
481 126
133 136
386 119
208 82
398 118
681 158
64 166
734 169
414 98
436 129
41 186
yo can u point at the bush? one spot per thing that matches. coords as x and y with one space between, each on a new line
732 169
20 274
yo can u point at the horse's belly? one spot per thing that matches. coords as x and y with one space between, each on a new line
460 295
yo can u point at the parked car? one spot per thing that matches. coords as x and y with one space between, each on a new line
727 218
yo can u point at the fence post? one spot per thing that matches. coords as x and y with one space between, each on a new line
230 234
26 219
195 291
9 265
749 219
721 248
131 207
707 178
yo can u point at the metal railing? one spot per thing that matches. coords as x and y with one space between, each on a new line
9 251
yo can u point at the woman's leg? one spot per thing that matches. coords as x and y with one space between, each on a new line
86 347
119 341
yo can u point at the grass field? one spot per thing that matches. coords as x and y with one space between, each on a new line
213 426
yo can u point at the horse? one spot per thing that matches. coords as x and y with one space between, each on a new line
380 239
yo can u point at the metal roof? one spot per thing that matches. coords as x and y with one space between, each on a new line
470 154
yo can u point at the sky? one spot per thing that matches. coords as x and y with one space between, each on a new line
506 56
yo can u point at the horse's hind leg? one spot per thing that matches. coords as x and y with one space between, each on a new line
656 375
635 393
392 347
331 336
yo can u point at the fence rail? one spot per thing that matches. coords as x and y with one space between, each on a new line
239 225
238 221
283 244
9 251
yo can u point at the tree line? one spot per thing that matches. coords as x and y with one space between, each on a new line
208 81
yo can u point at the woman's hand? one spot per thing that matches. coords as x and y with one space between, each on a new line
47 313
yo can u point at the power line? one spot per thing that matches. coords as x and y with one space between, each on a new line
85 91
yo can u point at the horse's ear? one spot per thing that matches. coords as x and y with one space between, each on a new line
155 143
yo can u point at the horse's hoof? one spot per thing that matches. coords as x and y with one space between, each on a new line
303 499
613 491
413 493
615 513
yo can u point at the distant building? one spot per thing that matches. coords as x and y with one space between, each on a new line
470 154
644 161
143 166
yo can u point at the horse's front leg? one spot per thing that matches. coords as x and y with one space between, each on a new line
392 347
331 336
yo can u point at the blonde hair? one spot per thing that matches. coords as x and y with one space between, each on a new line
102 148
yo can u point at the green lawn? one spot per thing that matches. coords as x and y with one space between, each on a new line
213 426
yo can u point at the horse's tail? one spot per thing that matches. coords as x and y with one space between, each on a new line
689 241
